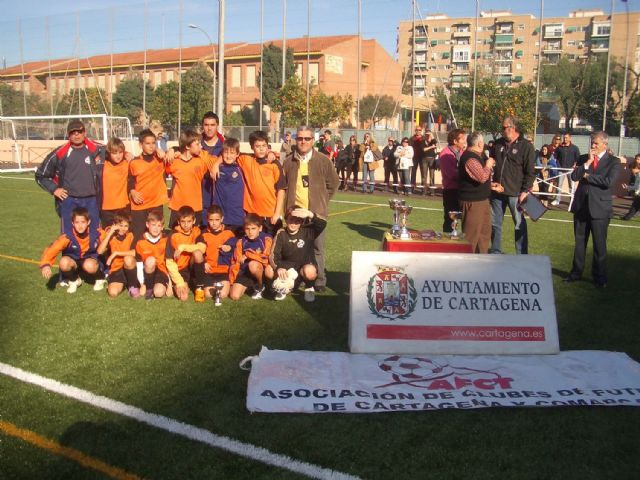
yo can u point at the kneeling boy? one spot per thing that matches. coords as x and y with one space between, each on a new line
121 261
150 252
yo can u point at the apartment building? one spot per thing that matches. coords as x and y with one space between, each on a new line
443 51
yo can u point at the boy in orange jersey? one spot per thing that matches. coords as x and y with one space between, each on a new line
184 254
250 263
264 181
147 187
187 170
115 173
77 252
118 240
150 252
220 243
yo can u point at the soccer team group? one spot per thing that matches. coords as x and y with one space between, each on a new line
226 234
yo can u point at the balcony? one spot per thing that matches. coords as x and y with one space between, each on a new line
555 47
461 34
503 38
600 30
557 31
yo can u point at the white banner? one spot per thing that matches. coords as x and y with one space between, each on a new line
440 303
321 382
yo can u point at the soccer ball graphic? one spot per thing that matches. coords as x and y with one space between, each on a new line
411 369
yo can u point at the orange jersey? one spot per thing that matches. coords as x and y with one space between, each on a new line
77 249
176 238
214 240
247 250
187 179
115 194
260 180
119 244
146 247
149 181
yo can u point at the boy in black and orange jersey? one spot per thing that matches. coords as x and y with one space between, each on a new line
118 240
150 252
184 254
114 191
187 170
220 243
77 252
147 187
250 264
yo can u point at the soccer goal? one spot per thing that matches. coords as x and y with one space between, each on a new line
25 141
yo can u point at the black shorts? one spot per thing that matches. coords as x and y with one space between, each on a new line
159 277
185 273
211 278
117 277
246 280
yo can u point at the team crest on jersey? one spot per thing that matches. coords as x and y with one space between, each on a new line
391 293
234 175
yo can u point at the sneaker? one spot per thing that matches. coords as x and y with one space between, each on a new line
99 285
64 283
148 295
134 292
280 296
555 203
309 294
257 293
73 285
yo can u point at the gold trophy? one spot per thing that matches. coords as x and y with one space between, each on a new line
455 216
395 204
404 211
217 288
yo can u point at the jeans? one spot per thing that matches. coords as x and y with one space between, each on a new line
372 178
66 211
499 204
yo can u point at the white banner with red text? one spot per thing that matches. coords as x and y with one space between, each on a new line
324 382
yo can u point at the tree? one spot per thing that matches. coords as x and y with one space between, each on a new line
196 94
291 101
84 100
13 103
164 106
376 107
593 94
127 99
234 119
272 72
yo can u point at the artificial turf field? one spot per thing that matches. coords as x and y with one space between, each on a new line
180 361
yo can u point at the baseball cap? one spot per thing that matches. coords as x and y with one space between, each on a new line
75 125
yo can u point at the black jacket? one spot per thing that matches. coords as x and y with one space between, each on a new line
515 165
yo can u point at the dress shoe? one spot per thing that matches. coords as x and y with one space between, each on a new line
571 278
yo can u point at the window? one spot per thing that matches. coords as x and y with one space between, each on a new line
236 108
601 30
236 79
169 75
518 66
91 82
461 56
521 26
157 78
250 79
313 73
101 81
571 43
299 71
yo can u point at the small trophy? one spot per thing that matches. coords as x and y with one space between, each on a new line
404 211
394 204
217 288
455 216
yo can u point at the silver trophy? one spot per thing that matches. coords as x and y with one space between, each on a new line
404 211
455 216
395 204
217 288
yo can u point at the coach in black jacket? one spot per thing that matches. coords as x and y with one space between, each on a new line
596 173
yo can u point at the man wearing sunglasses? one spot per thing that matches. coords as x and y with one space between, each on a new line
311 182
72 174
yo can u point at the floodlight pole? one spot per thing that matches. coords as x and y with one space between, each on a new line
475 68
221 62
213 66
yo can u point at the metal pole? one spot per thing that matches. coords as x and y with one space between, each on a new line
626 74
221 68
308 55
475 67
284 52
213 69
413 63
111 64
46 20
359 66
144 69
535 114
180 70
261 59
24 86
606 83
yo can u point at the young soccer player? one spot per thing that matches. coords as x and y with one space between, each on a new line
250 263
115 173
147 187
187 170
118 240
293 253
184 254
78 252
211 142
229 187
151 251
220 243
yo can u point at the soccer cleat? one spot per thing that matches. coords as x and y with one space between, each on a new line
134 292
64 283
309 294
148 295
257 293
73 285
99 285
280 296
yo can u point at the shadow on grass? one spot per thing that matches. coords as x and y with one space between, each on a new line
368 230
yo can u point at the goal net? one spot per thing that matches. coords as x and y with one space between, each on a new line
26 141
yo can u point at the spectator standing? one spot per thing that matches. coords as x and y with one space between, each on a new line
633 188
368 153
449 158
567 155
430 149
351 159
390 170
416 143
592 209
287 145
404 156
515 173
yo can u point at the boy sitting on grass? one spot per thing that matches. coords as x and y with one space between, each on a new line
150 252
118 240
250 263
184 255
77 252
220 242
293 253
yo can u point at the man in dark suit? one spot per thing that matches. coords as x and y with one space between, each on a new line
596 173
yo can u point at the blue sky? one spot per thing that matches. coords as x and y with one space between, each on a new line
120 24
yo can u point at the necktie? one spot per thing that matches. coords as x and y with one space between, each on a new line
595 162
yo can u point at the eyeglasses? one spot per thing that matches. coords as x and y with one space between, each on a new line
76 132
304 139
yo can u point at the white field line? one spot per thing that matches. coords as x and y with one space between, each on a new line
191 432
559 220
30 178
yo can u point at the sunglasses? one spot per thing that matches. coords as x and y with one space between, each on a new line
304 139
76 132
